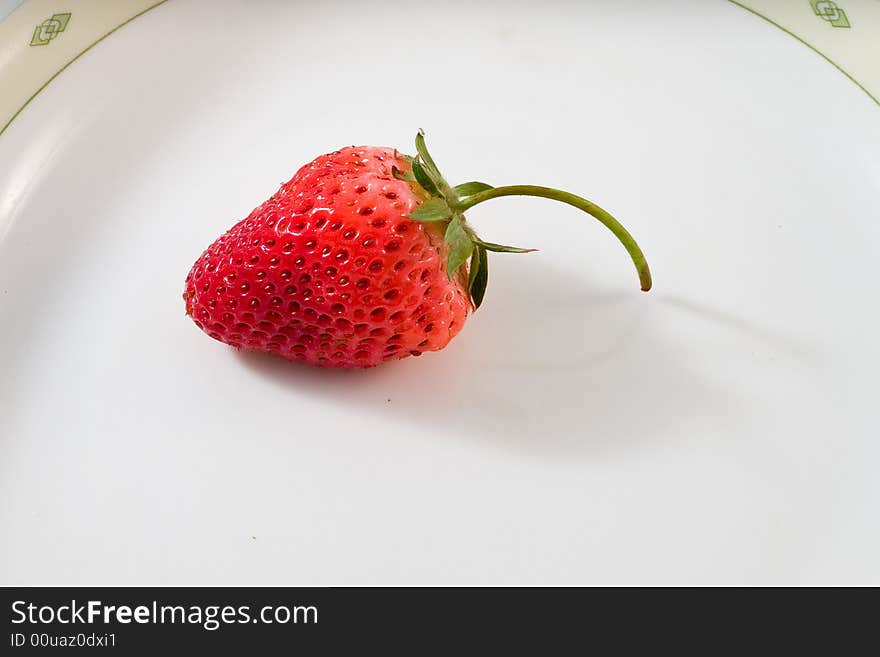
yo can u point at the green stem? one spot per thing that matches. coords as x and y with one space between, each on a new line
606 219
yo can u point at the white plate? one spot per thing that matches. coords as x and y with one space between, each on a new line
721 429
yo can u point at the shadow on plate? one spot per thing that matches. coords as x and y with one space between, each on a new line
548 364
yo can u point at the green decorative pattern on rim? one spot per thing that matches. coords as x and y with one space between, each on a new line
54 30
828 11
49 29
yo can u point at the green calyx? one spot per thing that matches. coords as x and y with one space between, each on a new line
468 254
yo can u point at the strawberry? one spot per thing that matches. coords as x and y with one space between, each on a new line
364 256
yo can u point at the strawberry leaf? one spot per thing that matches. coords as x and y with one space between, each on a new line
434 209
426 158
481 278
471 188
423 178
473 268
501 248
460 245
402 175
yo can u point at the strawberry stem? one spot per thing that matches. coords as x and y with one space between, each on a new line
589 207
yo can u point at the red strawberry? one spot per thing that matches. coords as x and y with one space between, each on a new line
363 256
